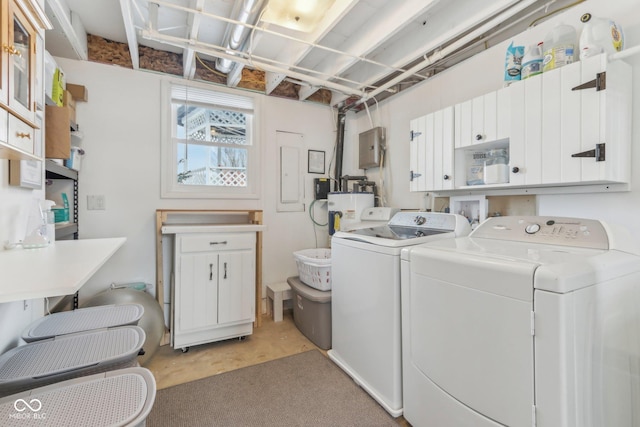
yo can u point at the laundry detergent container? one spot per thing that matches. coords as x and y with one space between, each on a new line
123 397
69 356
312 312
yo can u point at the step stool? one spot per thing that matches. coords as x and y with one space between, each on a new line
277 292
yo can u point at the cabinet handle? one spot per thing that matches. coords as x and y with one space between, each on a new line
210 272
479 137
23 135
218 243
515 169
446 177
225 270
11 50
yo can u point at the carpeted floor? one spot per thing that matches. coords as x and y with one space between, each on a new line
305 389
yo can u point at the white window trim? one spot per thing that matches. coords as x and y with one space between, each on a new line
170 189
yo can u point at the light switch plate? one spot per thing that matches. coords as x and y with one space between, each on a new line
96 203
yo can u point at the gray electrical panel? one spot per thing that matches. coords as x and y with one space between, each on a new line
372 144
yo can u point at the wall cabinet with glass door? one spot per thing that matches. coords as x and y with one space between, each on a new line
20 22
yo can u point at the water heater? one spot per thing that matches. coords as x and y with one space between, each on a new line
348 206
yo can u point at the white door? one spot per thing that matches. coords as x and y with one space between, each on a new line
196 292
475 345
236 273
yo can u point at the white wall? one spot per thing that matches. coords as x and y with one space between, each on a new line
122 128
484 73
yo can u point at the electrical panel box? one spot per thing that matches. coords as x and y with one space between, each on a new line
372 144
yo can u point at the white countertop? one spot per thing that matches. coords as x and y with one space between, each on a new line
59 269
211 228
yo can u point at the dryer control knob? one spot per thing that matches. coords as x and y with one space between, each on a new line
420 220
532 228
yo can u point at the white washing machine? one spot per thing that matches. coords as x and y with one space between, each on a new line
528 321
365 298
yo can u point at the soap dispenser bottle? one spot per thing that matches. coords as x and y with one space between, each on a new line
49 220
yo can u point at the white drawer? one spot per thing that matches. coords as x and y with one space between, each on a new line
217 242
20 134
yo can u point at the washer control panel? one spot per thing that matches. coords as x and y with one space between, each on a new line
433 220
587 233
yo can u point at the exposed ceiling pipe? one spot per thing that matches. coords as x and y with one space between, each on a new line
213 50
236 34
442 53
339 150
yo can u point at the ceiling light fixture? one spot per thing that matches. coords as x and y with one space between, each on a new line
299 15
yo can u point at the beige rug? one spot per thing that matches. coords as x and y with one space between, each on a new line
305 389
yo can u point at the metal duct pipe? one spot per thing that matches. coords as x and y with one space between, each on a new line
339 149
236 34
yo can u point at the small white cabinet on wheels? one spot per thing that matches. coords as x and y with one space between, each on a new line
213 297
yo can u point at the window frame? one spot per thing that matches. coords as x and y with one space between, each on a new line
170 188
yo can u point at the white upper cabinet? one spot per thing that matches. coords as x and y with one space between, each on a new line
431 151
21 67
566 127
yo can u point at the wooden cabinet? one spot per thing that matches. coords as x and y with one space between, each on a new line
20 24
214 291
431 151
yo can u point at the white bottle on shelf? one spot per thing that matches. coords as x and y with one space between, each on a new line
559 47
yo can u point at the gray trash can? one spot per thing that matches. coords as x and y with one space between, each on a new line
312 312
83 319
123 397
68 356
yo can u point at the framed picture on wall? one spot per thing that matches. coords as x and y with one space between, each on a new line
316 161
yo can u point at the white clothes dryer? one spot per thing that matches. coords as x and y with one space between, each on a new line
365 298
528 321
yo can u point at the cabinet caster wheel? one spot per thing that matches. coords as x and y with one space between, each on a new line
185 349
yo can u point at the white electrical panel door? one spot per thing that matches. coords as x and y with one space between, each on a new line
290 170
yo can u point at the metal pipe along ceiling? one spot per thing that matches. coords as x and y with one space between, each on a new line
236 34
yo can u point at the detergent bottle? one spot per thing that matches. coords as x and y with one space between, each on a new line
559 47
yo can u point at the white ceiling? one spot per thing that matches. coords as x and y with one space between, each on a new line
360 50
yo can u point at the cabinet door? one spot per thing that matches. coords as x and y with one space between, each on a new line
525 155
4 55
443 149
196 292
417 155
463 124
21 64
606 119
236 286
561 134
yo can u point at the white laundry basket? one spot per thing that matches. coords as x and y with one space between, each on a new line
314 267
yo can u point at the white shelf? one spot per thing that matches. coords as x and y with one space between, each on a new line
58 269
211 228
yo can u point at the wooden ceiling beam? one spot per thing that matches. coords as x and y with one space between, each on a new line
132 38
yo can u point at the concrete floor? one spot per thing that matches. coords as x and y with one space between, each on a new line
268 342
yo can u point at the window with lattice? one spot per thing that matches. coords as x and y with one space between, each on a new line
211 141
